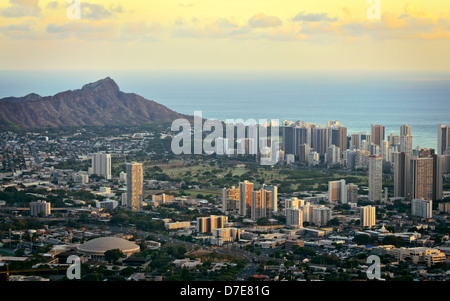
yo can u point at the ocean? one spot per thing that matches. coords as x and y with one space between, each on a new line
356 99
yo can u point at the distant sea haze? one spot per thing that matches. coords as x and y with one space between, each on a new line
356 99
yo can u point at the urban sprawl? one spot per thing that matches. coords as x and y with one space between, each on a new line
130 209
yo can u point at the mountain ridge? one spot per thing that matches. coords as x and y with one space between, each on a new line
95 104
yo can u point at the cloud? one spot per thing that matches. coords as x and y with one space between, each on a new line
415 11
413 23
22 8
261 20
24 30
117 9
87 31
313 17
94 12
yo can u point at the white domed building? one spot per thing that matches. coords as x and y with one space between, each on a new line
96 248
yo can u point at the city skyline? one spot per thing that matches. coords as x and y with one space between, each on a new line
252 145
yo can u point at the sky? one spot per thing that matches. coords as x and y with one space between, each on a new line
311 35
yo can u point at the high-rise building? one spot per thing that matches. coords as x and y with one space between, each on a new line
355 141
294 217
123 177
443 142
40 207
208 224
306 212
393 139
375 178
101 165
405 130
321 215
293 137
377 134
81 177
422 208
406 145
245 197
445 163
367 217
319 140
293 203
426 179
135 179
333 155
384 148
339 137
230 200
303 153
289 140
333 123
401 175
261 204
337 192
274 190
313 159
350 158
352 193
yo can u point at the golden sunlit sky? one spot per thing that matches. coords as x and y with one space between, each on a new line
225 35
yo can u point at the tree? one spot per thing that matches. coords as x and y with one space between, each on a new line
333 222
392 240
305 251
363 239
263 221
112 256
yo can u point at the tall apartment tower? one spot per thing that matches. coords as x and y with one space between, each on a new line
293 137
101 165
306 212
230 199
321 215
426 178
245 197
303 152
368 216
208 224
274 190
375 178
352 193
339 137
293 203
443 142
393 139
333 155
40 207
294 217
261 204
401 175
319 140
135 179
355 141
406 144
337 192
377 134
405 130
422 208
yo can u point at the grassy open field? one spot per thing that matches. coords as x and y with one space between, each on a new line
213 178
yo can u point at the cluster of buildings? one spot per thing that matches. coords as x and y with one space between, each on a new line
245 200
418 173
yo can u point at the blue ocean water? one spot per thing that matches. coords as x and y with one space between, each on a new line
356 99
